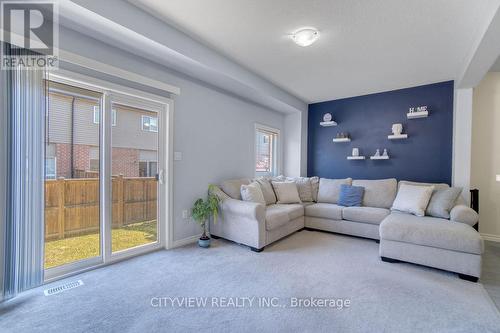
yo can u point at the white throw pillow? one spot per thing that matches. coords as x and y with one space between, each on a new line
253 193
412 199
286 192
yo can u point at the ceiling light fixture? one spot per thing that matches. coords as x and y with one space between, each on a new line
305 36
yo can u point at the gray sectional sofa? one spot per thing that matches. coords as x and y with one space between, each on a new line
450 244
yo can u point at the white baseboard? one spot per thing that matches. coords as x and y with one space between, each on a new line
490 237
186 241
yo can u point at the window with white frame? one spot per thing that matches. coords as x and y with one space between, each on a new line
148 168
266 150
94 164
149 124
97 116
50 168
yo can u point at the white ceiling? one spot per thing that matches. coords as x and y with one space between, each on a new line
366 46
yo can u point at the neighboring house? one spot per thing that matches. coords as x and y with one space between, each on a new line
72 143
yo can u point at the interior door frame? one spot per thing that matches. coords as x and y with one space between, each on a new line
165 107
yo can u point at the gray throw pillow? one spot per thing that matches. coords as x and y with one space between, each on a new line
442 201
267 190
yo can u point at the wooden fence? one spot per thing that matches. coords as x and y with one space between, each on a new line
72 205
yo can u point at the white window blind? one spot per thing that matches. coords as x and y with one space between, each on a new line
266 151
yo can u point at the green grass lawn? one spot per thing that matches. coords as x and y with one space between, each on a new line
63 251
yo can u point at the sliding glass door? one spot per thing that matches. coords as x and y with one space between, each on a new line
72 223
135 175
105 163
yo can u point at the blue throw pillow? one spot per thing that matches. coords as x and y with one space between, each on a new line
351 195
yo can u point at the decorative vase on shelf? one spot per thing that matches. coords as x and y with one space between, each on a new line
355 152
377 153
385 153
397 129
327 117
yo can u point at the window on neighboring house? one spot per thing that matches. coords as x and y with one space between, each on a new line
97 116
94 164
50 168
149 124
266 151
148 168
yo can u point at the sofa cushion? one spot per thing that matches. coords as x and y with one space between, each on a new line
412 199
431 231
267 190
232 187
294 210
276 217
379 193
351 195
252 192
437 186
279 215
324 210
370 215
329 189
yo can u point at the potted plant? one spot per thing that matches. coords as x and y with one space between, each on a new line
204 209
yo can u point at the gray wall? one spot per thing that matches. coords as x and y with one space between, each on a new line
213 129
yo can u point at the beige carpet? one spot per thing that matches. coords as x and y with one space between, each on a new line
383 297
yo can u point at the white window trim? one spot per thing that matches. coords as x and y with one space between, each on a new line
148 129
90 164
55 167
148 164
96 115
149 102
279 150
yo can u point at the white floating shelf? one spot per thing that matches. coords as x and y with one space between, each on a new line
336 140
379 157
415 115
397 137
355 157
328 123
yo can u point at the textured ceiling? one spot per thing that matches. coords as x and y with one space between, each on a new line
366 46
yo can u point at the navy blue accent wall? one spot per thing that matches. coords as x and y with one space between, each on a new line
425 156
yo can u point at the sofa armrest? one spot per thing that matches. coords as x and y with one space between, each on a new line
216 190
242 222
464 214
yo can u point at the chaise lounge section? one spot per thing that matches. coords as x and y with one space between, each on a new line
433 242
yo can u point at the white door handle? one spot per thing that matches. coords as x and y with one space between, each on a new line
160 176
